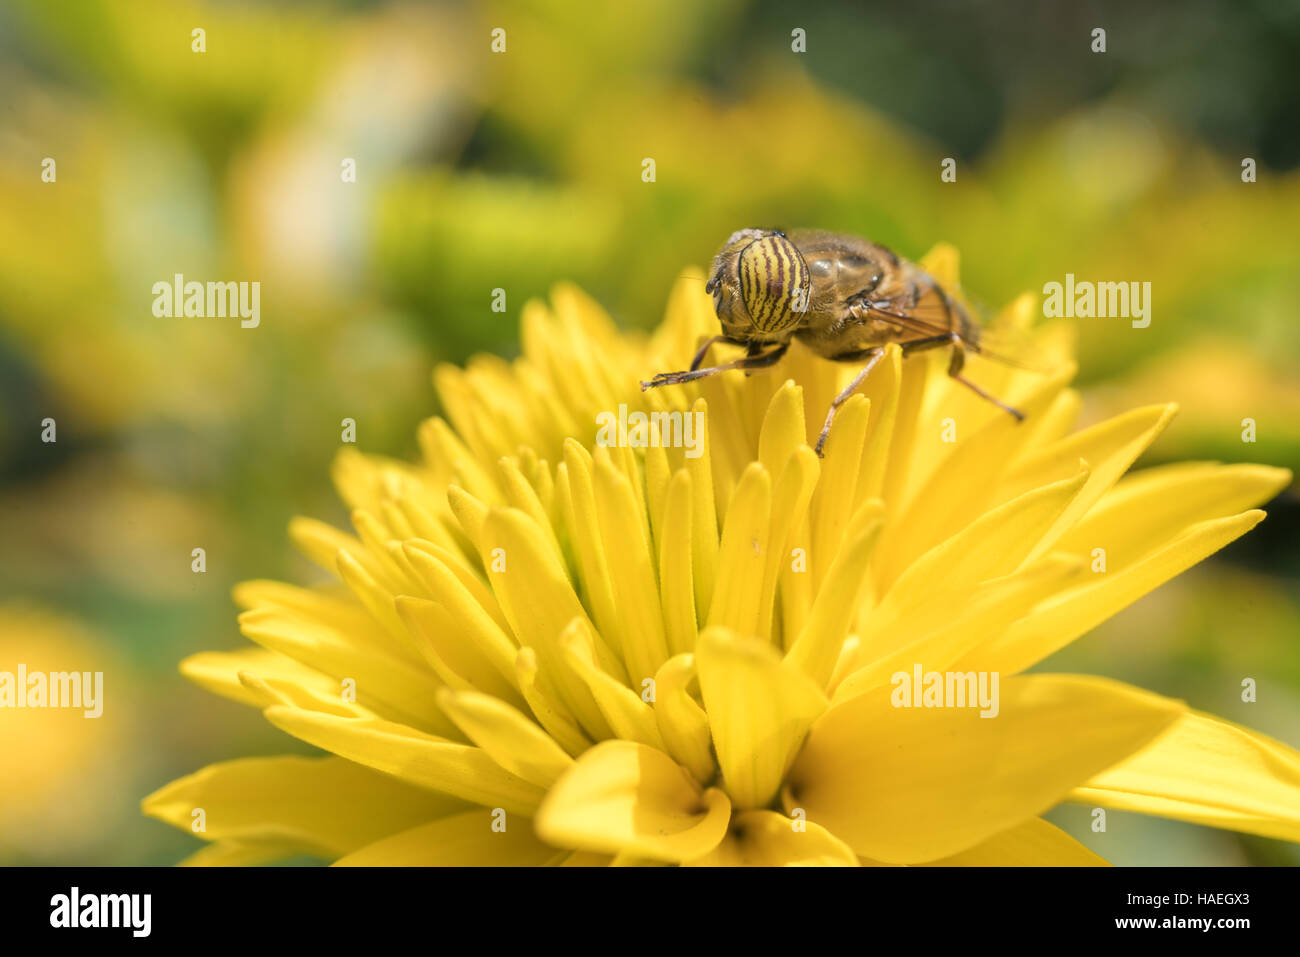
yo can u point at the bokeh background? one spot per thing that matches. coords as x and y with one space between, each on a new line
478 171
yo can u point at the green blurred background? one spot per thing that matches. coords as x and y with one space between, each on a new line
478 171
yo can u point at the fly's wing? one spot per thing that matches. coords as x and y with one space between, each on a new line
934 313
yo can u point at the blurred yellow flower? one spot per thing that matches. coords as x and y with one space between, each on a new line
547 650
62 771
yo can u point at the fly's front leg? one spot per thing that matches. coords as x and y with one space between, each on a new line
875 352
751 361
704 351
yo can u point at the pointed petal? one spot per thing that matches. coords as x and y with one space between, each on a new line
1208 771
419 759
509 738
461 840
236 854
908 785
818 646
322 806
218 672
1036 843
1108 447
629 717
632 572
1059 620
1158 504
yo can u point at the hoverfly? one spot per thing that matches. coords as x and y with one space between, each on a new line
841 296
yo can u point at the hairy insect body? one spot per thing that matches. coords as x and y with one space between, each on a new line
842 296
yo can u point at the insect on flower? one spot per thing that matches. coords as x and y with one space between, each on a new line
841 296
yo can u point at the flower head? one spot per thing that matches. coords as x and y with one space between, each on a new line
541 648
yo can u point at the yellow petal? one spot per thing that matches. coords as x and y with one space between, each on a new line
458 647
819 644
521 495
759 710
939 640
632 573
1208 771
434 633
1108 447
682 722
962 487
313 603
837 485
704 517
762 838
237 854
483 646
577 480
908 785
539 602
1059 620
272 690
882 391
321 543
376 594
943 262
509 738
388 679
628 716
218 672
626 797
995 544
321 806
462 840
792 495
546 707
416 758
470 513
783 428
454 562
677 591
583 859
442 448
1154 505
741 554
1036 843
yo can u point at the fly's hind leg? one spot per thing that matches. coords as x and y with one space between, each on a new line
956 364
875 352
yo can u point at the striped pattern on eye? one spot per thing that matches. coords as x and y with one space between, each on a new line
772 275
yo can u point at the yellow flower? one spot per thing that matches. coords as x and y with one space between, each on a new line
542 649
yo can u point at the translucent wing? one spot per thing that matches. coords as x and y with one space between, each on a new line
937 315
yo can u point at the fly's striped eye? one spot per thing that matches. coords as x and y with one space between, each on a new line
774 283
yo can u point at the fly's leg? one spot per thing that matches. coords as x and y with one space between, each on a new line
704 351
758 361
955 366
875 353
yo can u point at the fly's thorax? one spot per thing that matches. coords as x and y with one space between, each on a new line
761 286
